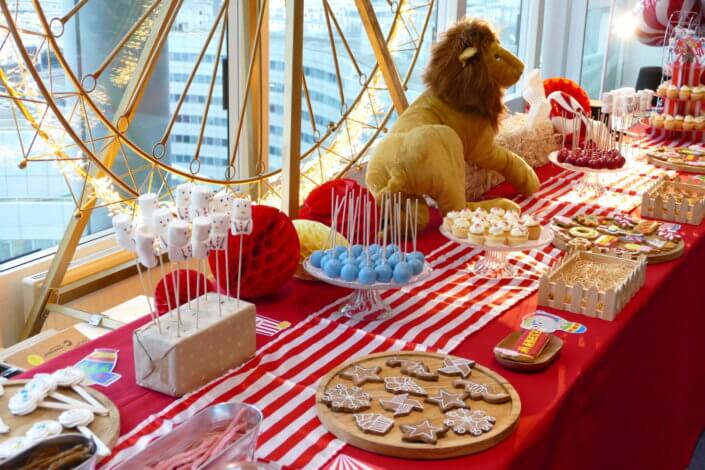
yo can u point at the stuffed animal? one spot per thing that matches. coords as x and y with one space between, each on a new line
454 121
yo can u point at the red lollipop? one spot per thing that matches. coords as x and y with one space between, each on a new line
269 258
167 285
318 203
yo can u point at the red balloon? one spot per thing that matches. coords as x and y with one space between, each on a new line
317 206
167 287
270 255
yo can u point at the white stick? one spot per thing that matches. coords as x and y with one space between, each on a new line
227 266
166 286
217 281
198 291
4 428
188 285
152 312
73 402
239 271
178 304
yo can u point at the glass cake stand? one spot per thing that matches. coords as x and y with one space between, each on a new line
494 263
365 302
590 185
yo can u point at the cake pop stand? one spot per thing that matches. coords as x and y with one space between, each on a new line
494 263
590 185
365 302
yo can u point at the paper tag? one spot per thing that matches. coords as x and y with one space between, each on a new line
98 367
548 323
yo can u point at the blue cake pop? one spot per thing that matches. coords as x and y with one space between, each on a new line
357 250
416 265
349 272
343 256
367 276
402 272
416 255
340 249
374 248
316 258
394 258
332 268
384 272
325 258
391 248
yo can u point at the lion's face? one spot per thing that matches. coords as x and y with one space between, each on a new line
469 69
504 67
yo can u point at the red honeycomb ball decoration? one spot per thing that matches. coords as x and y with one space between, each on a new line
318 204
167 286
270 255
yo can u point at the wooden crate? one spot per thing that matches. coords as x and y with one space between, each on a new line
591 301
657 207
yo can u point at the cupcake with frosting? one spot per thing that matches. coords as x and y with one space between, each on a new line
476 234
673 92
688 123
657 120
662 90
460 228
532 226
518 235
495 236
700 123
668 122
678 122
698 93
684 93
498 211
450 218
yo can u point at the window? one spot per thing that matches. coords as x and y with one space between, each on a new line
505 15
615 38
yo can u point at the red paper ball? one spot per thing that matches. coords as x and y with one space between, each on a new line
270 255
317 206
653 17
167 286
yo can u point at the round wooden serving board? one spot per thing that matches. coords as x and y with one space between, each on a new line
676 166
343 426
107 428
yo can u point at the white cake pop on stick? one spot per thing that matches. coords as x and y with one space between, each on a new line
222 201
80 418
182 198
144 246
200 246
220 224
160 221
179 242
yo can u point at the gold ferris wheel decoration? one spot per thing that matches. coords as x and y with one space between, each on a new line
76 125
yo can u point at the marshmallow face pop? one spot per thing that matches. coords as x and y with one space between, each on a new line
160 221
122 223
200 201
179 238
220 223
200 237
144 246
222 201
242 217
148 204
183 200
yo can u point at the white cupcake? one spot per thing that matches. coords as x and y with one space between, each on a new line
460 228
518 235
495 236
476 234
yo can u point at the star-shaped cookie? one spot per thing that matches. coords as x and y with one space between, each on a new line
457 366
401 405
478 391
422 432
361 375
447 400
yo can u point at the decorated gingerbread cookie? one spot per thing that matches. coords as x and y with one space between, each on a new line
473 422
361 375
401 404
422 432
478 391
373 423
403 385
348 399
447 400
413 368
457 366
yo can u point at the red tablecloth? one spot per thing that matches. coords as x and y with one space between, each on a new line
626 394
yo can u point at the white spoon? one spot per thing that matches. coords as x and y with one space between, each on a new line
80 418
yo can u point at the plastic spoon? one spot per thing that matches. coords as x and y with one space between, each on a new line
72 377
80 418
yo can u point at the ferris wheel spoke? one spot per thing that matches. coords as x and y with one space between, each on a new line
329 11
189 80
211 86
75 9
311 115
111 56
334 53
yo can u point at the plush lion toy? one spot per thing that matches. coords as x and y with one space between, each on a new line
453 122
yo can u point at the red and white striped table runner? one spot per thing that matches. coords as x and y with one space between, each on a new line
437 314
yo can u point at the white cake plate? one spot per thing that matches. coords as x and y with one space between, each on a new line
494 263
366 302
591 184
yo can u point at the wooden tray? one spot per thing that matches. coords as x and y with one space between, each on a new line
547 356
676 166
107 428
343 426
